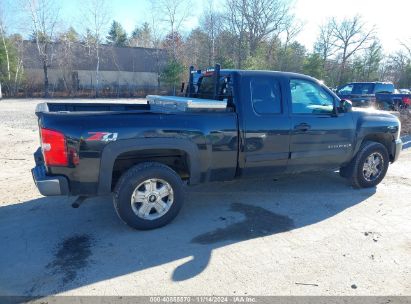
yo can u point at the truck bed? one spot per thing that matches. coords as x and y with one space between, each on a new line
90 107
156 104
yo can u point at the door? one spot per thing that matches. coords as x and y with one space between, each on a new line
266 126
319 138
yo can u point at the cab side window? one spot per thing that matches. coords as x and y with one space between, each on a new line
266 96
310 98
384 88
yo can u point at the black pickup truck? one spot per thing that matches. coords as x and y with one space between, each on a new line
382 95
230 124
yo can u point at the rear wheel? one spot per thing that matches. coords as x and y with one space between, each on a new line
345 172
370 165
148 196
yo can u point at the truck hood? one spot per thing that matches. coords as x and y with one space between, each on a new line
371 112
378 121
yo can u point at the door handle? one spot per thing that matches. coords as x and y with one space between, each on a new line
304 127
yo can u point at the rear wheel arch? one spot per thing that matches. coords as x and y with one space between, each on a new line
113 151
176 159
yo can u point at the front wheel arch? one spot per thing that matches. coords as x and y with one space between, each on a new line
355 170
386 139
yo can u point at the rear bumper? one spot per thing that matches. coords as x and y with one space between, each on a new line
49 185
397 146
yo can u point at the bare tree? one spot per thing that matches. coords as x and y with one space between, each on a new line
397 68
254 21
265 18
156 36
3 40
44 16
237 25
291 29
96 18
18 44
289 47
350 36
407 46
372 61
325 43
141 36
211 25
67 43
174 14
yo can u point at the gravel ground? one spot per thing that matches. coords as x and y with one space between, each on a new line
308 234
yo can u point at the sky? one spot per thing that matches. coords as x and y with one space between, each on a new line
392 18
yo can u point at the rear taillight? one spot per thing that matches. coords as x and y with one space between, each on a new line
53 145
406 100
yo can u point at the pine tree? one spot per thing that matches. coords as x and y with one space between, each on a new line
117 36
142 36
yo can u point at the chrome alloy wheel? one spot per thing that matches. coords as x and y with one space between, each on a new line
152 199
373 166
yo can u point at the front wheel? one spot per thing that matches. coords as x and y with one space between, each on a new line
370 165
148 196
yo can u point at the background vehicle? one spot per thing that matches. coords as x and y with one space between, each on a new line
363 94
381 94
394 102
231 124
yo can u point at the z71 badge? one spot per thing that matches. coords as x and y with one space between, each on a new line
102 136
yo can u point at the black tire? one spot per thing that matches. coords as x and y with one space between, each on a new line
356 169
135 176
345 172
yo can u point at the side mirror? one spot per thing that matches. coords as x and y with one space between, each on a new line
345 106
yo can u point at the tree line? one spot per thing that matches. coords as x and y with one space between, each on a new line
242 34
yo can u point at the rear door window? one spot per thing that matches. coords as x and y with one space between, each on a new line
265 95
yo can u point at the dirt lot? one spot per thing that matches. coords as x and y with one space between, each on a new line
309 234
